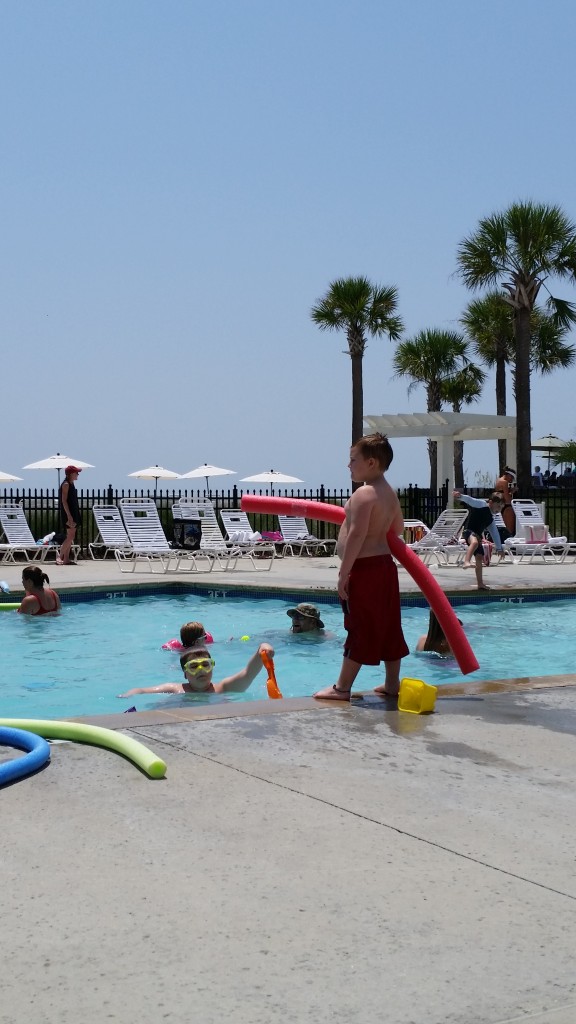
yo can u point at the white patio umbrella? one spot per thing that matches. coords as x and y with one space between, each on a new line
155 473
548 444
272 476
6 477
58 462
207 471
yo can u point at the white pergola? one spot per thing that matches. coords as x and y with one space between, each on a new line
445 428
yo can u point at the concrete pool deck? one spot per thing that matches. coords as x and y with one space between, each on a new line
346 864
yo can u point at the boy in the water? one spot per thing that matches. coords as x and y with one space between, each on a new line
198 667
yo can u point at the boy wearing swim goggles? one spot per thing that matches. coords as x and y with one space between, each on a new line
198 667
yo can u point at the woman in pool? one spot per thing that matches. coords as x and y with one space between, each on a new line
38 601
198 666
434 641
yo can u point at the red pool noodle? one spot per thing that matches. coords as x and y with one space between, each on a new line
421 575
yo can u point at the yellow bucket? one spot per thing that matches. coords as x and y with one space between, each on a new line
416 696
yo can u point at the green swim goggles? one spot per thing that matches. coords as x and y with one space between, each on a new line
196 665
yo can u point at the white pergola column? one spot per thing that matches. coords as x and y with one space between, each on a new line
511 452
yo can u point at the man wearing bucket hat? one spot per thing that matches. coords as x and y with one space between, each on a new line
305 618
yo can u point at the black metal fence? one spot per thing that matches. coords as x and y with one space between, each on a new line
41 506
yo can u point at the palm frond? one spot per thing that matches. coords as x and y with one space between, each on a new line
563 312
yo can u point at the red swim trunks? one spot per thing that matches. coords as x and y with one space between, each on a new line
372 612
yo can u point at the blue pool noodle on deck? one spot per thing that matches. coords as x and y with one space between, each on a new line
38 754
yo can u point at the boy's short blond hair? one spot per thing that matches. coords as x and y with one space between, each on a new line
191 633
375 446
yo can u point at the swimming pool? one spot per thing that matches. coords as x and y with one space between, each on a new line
76 663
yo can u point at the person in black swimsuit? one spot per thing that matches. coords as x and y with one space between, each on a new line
480 520
69 512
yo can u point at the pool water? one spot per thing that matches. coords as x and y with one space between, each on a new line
77 663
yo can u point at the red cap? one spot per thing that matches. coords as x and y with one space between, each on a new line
72 469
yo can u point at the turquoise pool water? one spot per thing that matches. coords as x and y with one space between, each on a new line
76 663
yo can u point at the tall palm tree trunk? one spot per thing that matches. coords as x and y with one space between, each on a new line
458 465
357 399
357 403
501 405
433 456
523 423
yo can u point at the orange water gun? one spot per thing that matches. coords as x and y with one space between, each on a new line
271 684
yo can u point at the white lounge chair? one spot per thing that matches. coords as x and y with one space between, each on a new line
443 538
533 539
296 536
213 539
239 531
19 538
148 542
112 534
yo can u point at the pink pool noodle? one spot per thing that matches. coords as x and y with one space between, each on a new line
421 575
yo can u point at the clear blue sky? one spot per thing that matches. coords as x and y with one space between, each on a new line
180 182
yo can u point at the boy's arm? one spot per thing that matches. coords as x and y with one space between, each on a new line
241 680
492 529
163 688
360 508
468 500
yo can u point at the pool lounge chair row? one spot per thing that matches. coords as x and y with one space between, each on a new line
443 541
134 533
137 519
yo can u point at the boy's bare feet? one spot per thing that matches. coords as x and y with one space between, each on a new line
332 693
383 692
482 586
466 565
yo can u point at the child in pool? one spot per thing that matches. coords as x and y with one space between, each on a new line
191 634
434 641
198 667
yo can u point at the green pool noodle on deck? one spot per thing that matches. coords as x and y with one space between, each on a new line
154 767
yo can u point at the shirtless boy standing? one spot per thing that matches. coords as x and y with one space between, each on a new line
368 579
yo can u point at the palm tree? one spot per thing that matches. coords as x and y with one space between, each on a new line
489 323
354 305
519 250
463 388
431 358
566 454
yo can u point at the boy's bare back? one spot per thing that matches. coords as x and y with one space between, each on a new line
377 509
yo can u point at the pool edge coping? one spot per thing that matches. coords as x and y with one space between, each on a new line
289 705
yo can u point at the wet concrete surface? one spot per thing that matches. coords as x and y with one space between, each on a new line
348 864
